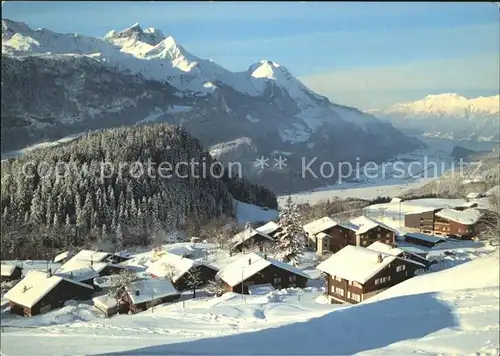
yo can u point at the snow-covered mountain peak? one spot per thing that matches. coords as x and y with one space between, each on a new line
449 103
448 115
151 36
267 69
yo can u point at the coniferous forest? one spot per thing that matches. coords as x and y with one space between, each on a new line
106 186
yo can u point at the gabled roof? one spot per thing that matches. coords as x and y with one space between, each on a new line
268 228
7 270
82 270
62 256
360 264
180 265
465 217
247 234
89 255
34 286
146 290
320 225
104 302
251 264
365 224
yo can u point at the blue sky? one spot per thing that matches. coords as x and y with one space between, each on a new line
365 54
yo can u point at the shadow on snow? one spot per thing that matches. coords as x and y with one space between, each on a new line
345 331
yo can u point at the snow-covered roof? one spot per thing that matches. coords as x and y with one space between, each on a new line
246 235
7 270
365 224
319 225
359 264
250 264
89 255
34 286
321 236
493 191
465 217
268 228
384 248
474 195
149 289
415 206
396 200
80 270
260 289
348 225
179 265
62 256
104 302
423 237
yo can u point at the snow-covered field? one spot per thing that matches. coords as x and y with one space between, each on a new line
450 312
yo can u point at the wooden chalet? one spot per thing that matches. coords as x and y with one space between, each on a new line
370 231
457 223
178 270
328 235
270 228
256 269
248 238
146 293
10 272
39 292
356 273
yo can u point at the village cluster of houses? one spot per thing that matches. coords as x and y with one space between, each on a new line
367 257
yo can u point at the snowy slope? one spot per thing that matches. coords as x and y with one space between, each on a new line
448 115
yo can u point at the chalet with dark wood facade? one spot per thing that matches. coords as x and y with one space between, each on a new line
10 273
256 269
147 293
422 221
39 292
355 273
180 269
460 224
370 231
248 238
327 235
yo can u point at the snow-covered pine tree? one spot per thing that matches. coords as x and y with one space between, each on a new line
290 241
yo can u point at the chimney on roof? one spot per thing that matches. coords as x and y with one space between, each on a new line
137 292
249 261
379 258
49 272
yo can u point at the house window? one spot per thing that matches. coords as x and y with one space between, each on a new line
277 280
383 279
388 234
355 284
332 289
388 278
377 281
338 279
355 296
400 268
339 291
379 236
291 278
364 242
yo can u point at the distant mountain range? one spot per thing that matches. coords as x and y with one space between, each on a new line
60 84
447 116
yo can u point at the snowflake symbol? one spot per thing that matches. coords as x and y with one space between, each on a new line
261 162
280 162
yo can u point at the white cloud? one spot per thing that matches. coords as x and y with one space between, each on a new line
377 87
